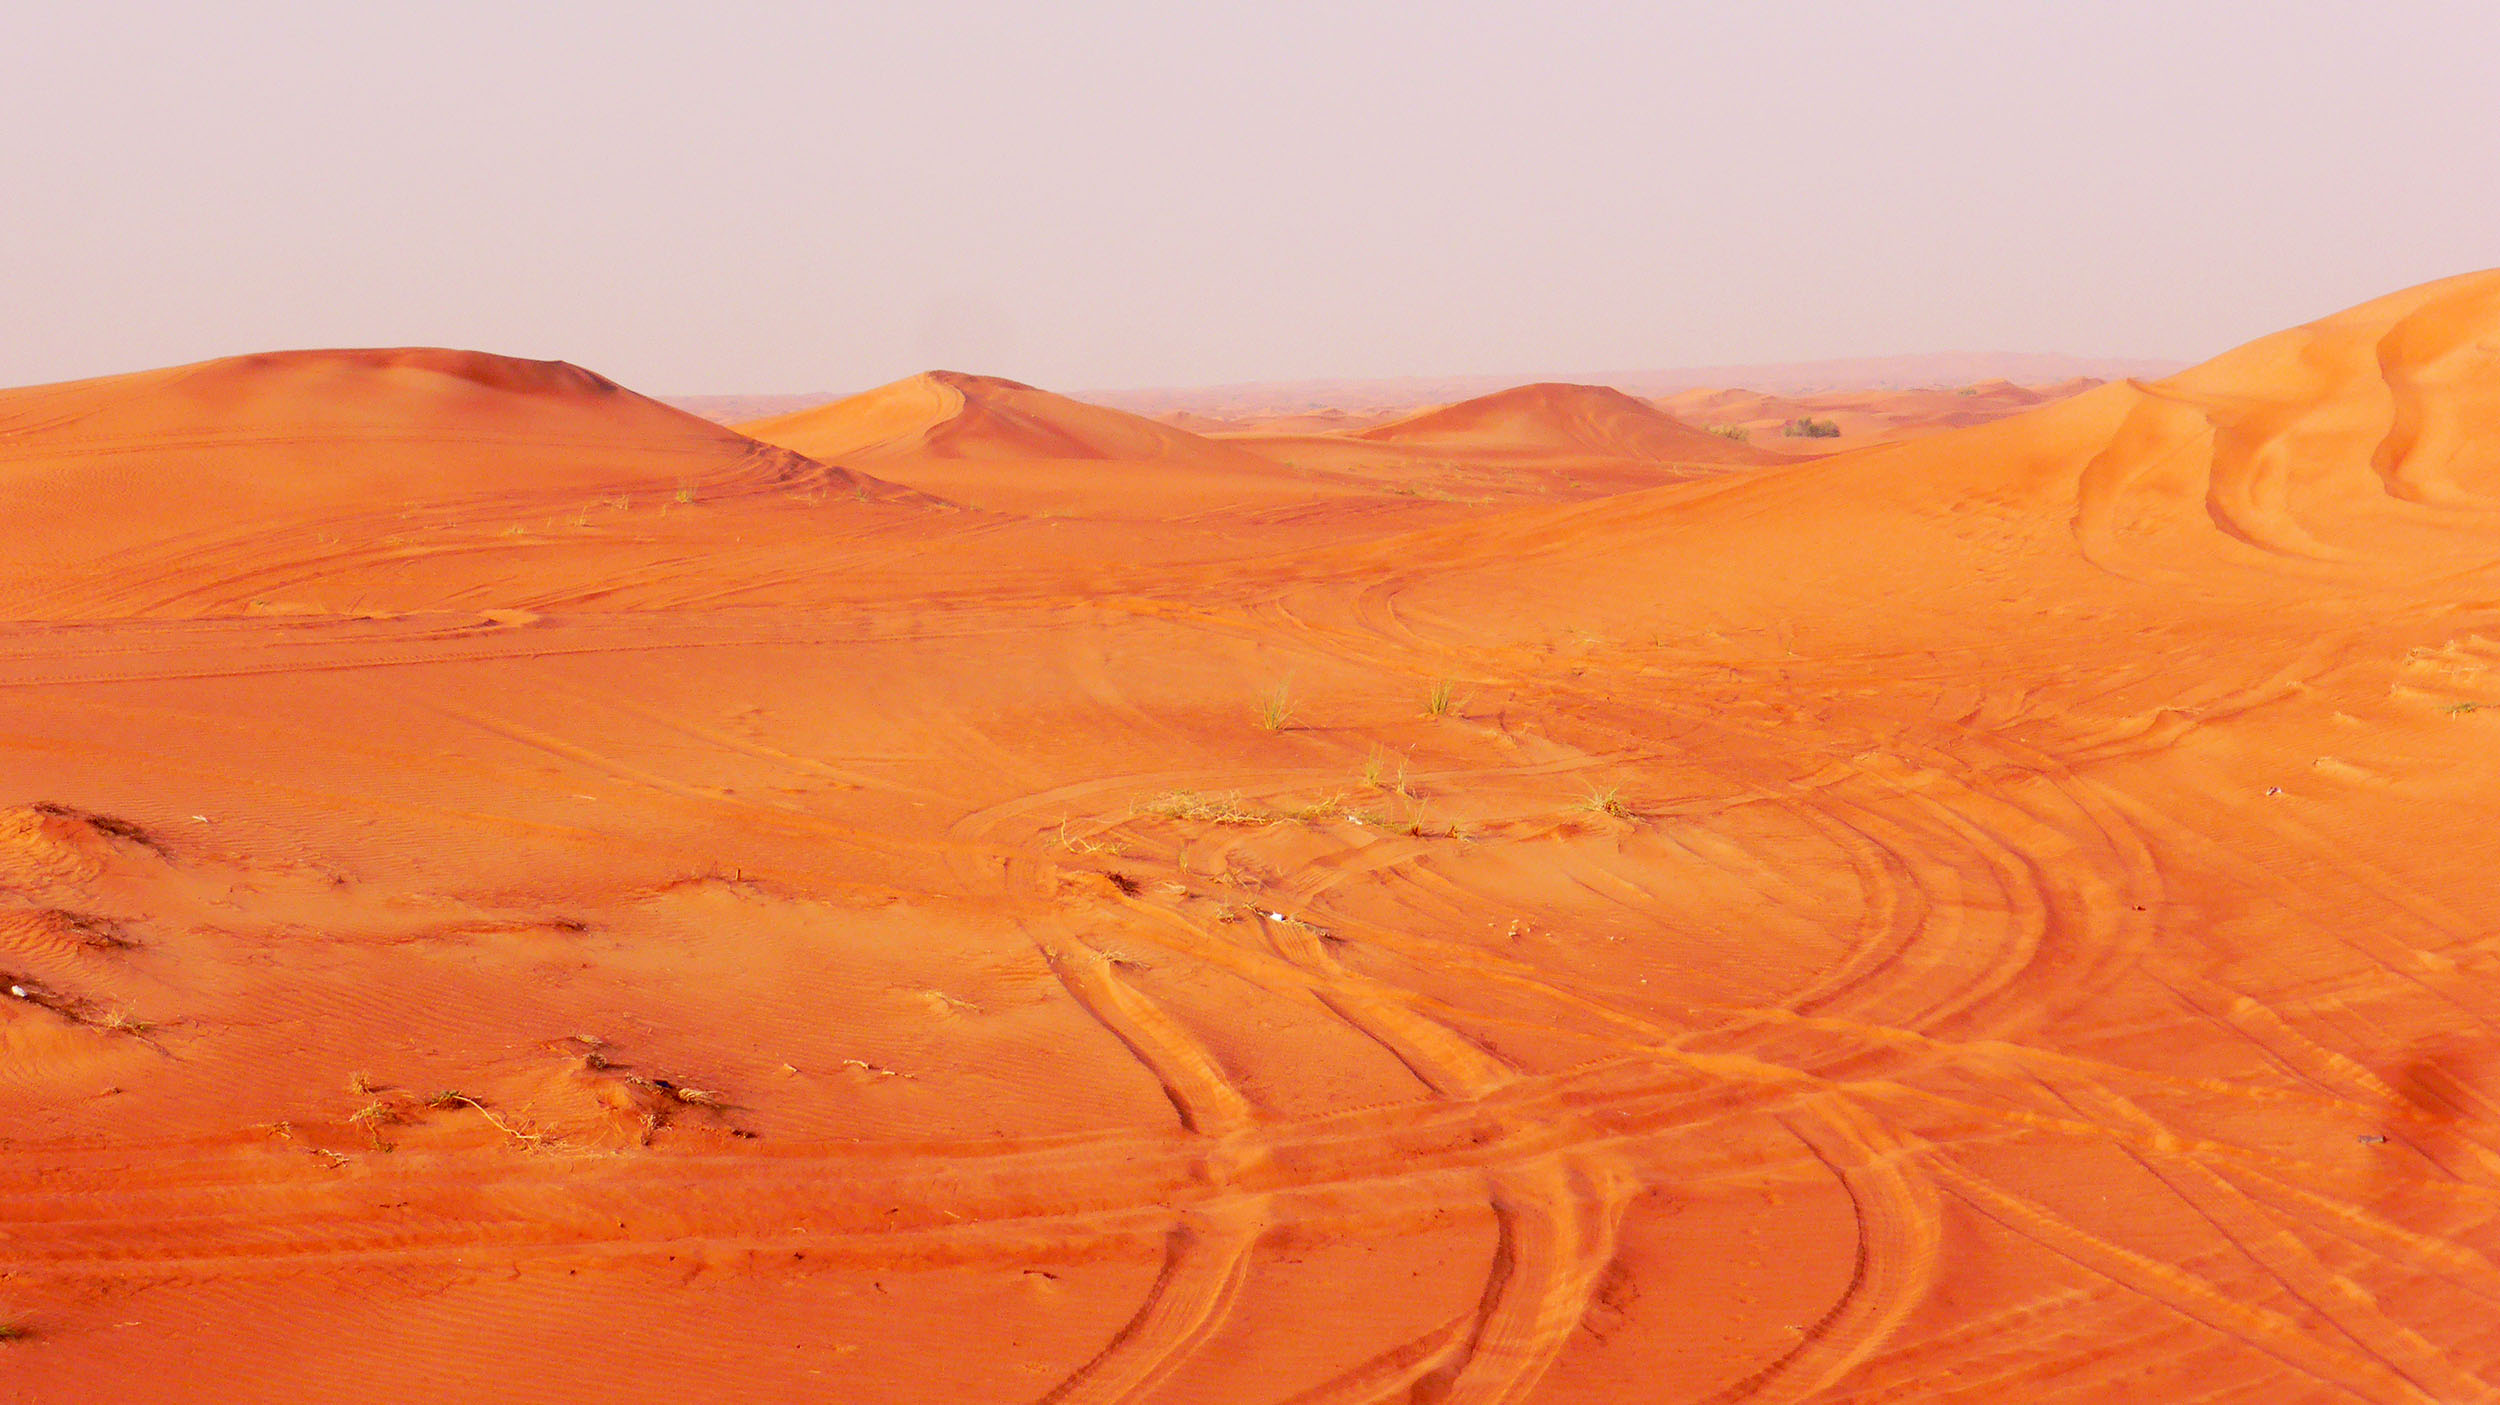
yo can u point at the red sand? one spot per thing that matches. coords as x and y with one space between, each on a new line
518 893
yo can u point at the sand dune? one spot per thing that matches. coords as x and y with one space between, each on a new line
1995 915
954 434
1863 417
1536 441
947 414
2340 453
203 487
1276 399
1587 419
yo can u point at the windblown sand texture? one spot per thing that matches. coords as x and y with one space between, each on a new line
512 892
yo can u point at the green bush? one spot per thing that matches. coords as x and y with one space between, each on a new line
1808 427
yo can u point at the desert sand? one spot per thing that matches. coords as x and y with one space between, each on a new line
510 891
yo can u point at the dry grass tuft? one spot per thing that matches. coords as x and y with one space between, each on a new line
1311 812
1378 776
1204 809
123 1022
1276 709
1608 801
1082 844
452 1097
373 1117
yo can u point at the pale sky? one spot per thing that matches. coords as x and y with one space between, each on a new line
730 197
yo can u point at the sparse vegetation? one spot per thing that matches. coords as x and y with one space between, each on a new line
77 1009
1378 776
122 1022
1081 844
2460 709
1205 809
1808 427
1737 432
1608 801
685 491
1442 699
373 1117
451 1098
1276 708
1311 812
14 1329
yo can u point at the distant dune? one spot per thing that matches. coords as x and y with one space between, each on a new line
1587 419
2354 451
1268 400
1933 370
1862 416
948 414
1003 444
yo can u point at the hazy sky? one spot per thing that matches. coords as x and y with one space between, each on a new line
752 197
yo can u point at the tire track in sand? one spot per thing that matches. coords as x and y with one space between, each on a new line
2261 1329
1900 1244
1206 1257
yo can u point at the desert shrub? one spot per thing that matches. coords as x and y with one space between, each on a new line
1736 432
1808 427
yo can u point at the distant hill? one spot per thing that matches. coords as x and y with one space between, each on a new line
1934 369
1265 399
